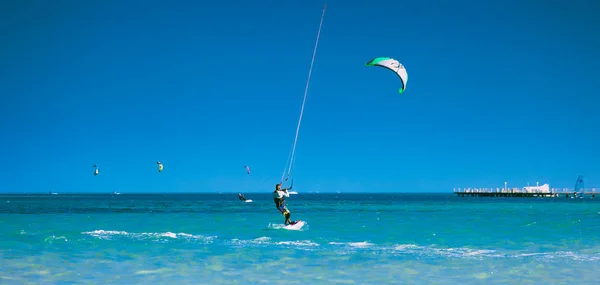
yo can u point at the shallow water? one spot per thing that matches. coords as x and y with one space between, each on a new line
347 239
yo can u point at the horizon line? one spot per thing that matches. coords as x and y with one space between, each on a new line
217 193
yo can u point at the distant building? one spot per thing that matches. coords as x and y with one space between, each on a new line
537 189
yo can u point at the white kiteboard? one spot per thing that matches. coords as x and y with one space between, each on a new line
295 227
248 201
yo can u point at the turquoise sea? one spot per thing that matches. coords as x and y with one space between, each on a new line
364 238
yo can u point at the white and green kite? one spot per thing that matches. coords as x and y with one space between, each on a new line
394 66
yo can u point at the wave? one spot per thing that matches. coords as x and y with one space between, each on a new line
107 235
349 247
267 241
53 238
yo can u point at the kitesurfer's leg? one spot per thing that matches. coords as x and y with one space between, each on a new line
286 214
290 222
287 218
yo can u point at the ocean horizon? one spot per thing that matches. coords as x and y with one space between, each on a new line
217 193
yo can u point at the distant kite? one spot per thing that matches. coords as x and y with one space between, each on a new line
247 169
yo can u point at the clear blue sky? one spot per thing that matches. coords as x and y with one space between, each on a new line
498 91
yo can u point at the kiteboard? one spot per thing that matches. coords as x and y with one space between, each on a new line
295 227
248 201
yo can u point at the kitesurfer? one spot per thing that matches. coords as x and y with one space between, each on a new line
241 197
279 199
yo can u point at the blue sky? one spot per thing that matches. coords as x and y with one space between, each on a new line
497 91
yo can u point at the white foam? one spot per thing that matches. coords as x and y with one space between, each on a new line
263 239
256 241
53 238
347 247
102 234
267 241
448 252
170 234
299 243
360 244
109 234
405 246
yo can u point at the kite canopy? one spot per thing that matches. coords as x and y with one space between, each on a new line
393 65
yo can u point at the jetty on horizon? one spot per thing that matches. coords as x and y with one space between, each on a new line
528 191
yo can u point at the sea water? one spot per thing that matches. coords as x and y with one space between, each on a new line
348 239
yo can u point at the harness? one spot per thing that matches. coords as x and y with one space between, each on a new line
280 205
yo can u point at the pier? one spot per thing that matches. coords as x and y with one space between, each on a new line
529 191
523 194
